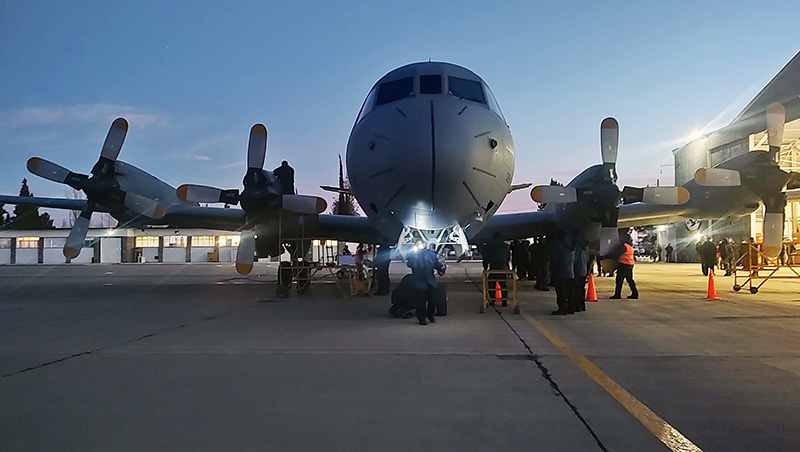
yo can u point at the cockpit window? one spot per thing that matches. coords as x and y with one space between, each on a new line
430 84
466 89
493 105
395 90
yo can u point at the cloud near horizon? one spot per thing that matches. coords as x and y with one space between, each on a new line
84 113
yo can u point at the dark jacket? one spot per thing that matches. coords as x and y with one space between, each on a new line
422 264
562 258
497 254
581 265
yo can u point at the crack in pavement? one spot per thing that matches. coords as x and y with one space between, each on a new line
129 341
546 373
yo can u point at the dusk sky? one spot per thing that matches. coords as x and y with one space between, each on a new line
192 77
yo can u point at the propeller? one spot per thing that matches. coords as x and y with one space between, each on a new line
765 179
101 188
603 193
261 195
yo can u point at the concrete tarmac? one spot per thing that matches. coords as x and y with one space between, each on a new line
193 357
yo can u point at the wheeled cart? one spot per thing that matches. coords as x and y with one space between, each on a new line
492 280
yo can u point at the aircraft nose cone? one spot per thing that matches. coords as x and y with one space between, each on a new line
430 163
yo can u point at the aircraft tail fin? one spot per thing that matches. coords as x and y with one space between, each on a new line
782 88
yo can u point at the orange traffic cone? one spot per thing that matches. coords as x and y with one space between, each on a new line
712 289
591 293
498 294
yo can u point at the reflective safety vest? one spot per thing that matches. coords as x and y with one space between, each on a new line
627 257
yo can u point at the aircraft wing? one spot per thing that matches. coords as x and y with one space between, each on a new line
643 214
53 203
349 228
193 216
517 225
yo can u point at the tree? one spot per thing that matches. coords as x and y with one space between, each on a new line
98 220
27 216
346 203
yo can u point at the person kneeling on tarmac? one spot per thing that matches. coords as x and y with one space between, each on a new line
404 299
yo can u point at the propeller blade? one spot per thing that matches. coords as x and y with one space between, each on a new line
144 206
773 234
655 195
245 254
665 195
257 147
609 240
553 194
717 177
776 116
609 140
48 170
794 181
198 193
303 204
77 235
114 139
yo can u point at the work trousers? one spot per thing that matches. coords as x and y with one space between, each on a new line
625 273
426 302
579 293
564 294
521 269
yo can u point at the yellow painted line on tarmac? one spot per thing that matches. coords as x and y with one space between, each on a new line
666 433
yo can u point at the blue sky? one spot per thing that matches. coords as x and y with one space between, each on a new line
193 76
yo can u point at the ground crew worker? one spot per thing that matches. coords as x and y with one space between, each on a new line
422 263
708 255
496 257
543 265
624 253
727 253
285 175
383 258
533 250
520 258
562 272
581 269
669 249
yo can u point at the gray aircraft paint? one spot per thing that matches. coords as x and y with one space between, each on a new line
427 160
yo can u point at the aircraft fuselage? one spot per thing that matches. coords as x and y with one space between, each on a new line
430 151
